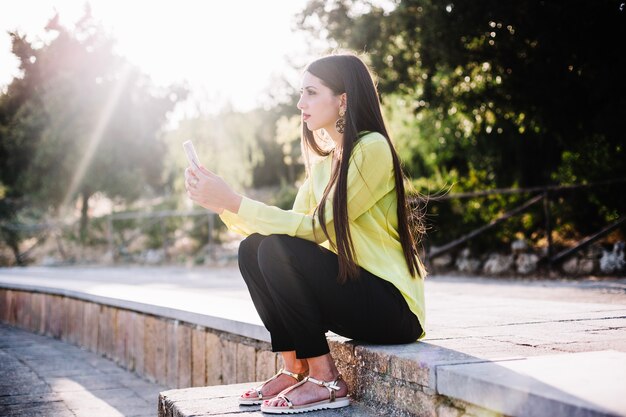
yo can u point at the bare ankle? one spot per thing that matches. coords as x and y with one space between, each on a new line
300 366
293 364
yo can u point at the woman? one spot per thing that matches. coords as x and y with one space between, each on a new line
344 258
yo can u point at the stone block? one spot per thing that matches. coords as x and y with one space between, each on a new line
222 401
10 308
27 310
343 351
213 359
92 323
172 354
106 331
183 347
75 321
350 373
376 360
155 336
34 307
128 333
37 304
548 385
122 334
265 365
411 400
79 320
198 357
55 316
4 305
498 264
44 318
66 326
21 309
526 263
161 351
417 362
229 361
444 410
136 359
49 300
370 387
246 363
341 348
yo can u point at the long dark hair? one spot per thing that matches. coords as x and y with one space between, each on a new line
347 73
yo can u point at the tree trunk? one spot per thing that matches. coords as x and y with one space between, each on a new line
84 217
14 245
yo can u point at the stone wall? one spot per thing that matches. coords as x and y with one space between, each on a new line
166 351
397 383
178 354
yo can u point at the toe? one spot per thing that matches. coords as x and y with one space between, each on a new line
247 394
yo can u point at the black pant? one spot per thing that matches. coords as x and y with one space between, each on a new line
293 284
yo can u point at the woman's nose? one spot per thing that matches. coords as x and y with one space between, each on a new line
300 104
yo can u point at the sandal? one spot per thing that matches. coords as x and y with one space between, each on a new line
259 399
331 402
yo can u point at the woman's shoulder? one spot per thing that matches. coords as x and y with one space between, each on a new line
371 142
366 137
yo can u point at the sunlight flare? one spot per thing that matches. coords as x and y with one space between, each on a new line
97 134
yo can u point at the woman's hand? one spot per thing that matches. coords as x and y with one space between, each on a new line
210 191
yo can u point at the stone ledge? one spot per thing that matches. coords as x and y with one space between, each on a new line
416 379
573 384
214 321
222 401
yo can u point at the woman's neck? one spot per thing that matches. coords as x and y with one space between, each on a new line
335 136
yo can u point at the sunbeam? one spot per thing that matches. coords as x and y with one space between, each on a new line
96 134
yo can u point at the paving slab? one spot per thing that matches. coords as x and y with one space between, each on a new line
41 376
589 384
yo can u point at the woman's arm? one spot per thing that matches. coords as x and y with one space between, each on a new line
370 177
210 190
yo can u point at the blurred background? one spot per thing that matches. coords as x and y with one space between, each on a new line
508 116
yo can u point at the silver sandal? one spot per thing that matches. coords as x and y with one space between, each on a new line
331 402
259 399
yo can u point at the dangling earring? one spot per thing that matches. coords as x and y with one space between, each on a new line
340 124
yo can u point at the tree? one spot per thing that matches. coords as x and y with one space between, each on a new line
80 120
502 93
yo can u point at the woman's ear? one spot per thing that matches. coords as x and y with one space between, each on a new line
343 101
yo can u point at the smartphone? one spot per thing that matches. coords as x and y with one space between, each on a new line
192 156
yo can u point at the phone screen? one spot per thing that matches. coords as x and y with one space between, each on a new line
192 156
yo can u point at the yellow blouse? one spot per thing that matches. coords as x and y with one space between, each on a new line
372 204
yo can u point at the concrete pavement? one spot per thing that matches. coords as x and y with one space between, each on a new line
41 376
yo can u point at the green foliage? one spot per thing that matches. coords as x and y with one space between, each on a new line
226 144
496 94
80 120
285 196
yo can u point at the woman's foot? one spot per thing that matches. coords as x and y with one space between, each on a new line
270 388
310 393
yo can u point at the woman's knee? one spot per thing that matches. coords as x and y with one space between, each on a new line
250 245
273 251
249 248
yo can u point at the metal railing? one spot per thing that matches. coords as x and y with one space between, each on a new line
155 217
542 194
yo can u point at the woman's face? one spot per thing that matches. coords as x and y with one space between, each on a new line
318 103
